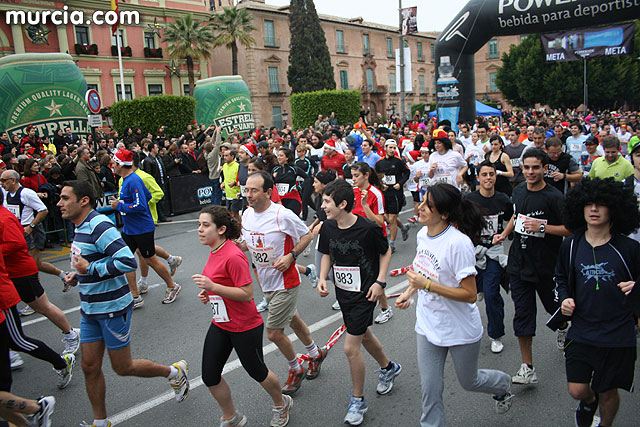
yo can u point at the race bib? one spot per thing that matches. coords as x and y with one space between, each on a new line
219 309
575 147
14 209
491 226
283 188
243 191
519 226
516 163
389 180
263 257
425 181
73 251
444 179
347 278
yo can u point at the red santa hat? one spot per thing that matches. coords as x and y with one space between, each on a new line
2 164
124 157
250 149
412 155
330 143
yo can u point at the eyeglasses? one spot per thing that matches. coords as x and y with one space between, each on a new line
5 179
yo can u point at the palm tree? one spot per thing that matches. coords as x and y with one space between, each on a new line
233 24
188 39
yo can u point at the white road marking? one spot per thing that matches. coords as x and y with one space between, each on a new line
138 409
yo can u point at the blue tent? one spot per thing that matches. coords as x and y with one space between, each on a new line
485 110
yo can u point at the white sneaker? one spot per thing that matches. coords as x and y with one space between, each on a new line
307 251
262 305
174 262
496 346
525 375
16 360
143 287
66 373
336 305
138 302
43 416
384 316
180 383
503 404
71 345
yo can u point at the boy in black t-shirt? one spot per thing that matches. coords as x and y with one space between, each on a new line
359 254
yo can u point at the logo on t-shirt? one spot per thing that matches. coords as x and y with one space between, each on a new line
596 271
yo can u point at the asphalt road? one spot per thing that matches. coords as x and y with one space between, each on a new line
167 333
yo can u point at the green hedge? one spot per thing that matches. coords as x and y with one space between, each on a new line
306 106
151 112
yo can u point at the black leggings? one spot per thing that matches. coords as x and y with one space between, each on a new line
5 363
217 348
20 342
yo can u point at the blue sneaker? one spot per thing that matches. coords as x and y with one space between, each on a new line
355 412
387 376
313 276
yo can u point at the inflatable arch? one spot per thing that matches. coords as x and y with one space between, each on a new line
480 20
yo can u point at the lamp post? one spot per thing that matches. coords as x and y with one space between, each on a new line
285 117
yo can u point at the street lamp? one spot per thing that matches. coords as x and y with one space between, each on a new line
285 117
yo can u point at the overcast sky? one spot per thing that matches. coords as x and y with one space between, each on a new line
433 15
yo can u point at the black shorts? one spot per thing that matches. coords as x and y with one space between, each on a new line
606 368
357 315
234 205
523 294
144 242
37 238
416 196
28 287
393 202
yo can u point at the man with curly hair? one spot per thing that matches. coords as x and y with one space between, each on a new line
595 276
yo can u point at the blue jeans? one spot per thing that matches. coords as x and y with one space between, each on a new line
216 193
488 281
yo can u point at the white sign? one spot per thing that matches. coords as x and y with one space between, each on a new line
407 70
95 120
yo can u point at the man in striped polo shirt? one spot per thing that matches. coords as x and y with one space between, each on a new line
100 259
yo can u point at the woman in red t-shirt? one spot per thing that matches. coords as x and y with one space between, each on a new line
227 286
32 178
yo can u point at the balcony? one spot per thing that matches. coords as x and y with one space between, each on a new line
277 89
342 49
379 89
86 49
272 42
367 51
152 52
125 51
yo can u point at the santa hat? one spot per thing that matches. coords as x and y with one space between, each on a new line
425 147
250 149
2 164
412 155
330 143
124 157
439 134
565 125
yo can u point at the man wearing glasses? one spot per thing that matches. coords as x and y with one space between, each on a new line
563 168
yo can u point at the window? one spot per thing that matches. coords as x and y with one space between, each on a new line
149 41
365 43
269 35
277 116
344 80
420 57
274 83
82 35
185 89
492 82
433 53
434 85
392 83
493 48
92 87
339 41
127 92
119 34
389 47
423 90
405 43
154 89
369 74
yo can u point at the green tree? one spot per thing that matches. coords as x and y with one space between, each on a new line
233 25
189 40
309 60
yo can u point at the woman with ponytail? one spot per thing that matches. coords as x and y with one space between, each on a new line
501 161
447 318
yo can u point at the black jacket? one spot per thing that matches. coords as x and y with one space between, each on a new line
150 166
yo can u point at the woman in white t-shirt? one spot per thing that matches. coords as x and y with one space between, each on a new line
447 318
446 165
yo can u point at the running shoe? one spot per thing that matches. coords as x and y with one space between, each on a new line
561 338
503 403
496 346
67 286
42 418
138 301
262 305
280 415
355 412
384 316
66 373
174 263
336 305
86 424
71 345
585 413
405 232
480 296
386 377
315 363
171 294
294 381
238 420
143 287
307 251
16 360
27 311
393 249
180 383
313 276
525 375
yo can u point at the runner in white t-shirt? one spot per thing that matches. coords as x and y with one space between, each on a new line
446 165
275 236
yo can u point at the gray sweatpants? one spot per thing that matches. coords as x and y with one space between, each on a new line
431 360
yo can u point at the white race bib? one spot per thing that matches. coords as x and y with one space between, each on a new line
219 309
263 257
74 251
516 163
283 188
425 181
444 179
575 147
14 209
347 278
491 226
519 226
389 180
243 191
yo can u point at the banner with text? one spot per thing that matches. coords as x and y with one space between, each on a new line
588 43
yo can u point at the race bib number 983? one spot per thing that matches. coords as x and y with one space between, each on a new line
347 278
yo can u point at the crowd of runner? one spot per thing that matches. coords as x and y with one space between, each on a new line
560 187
